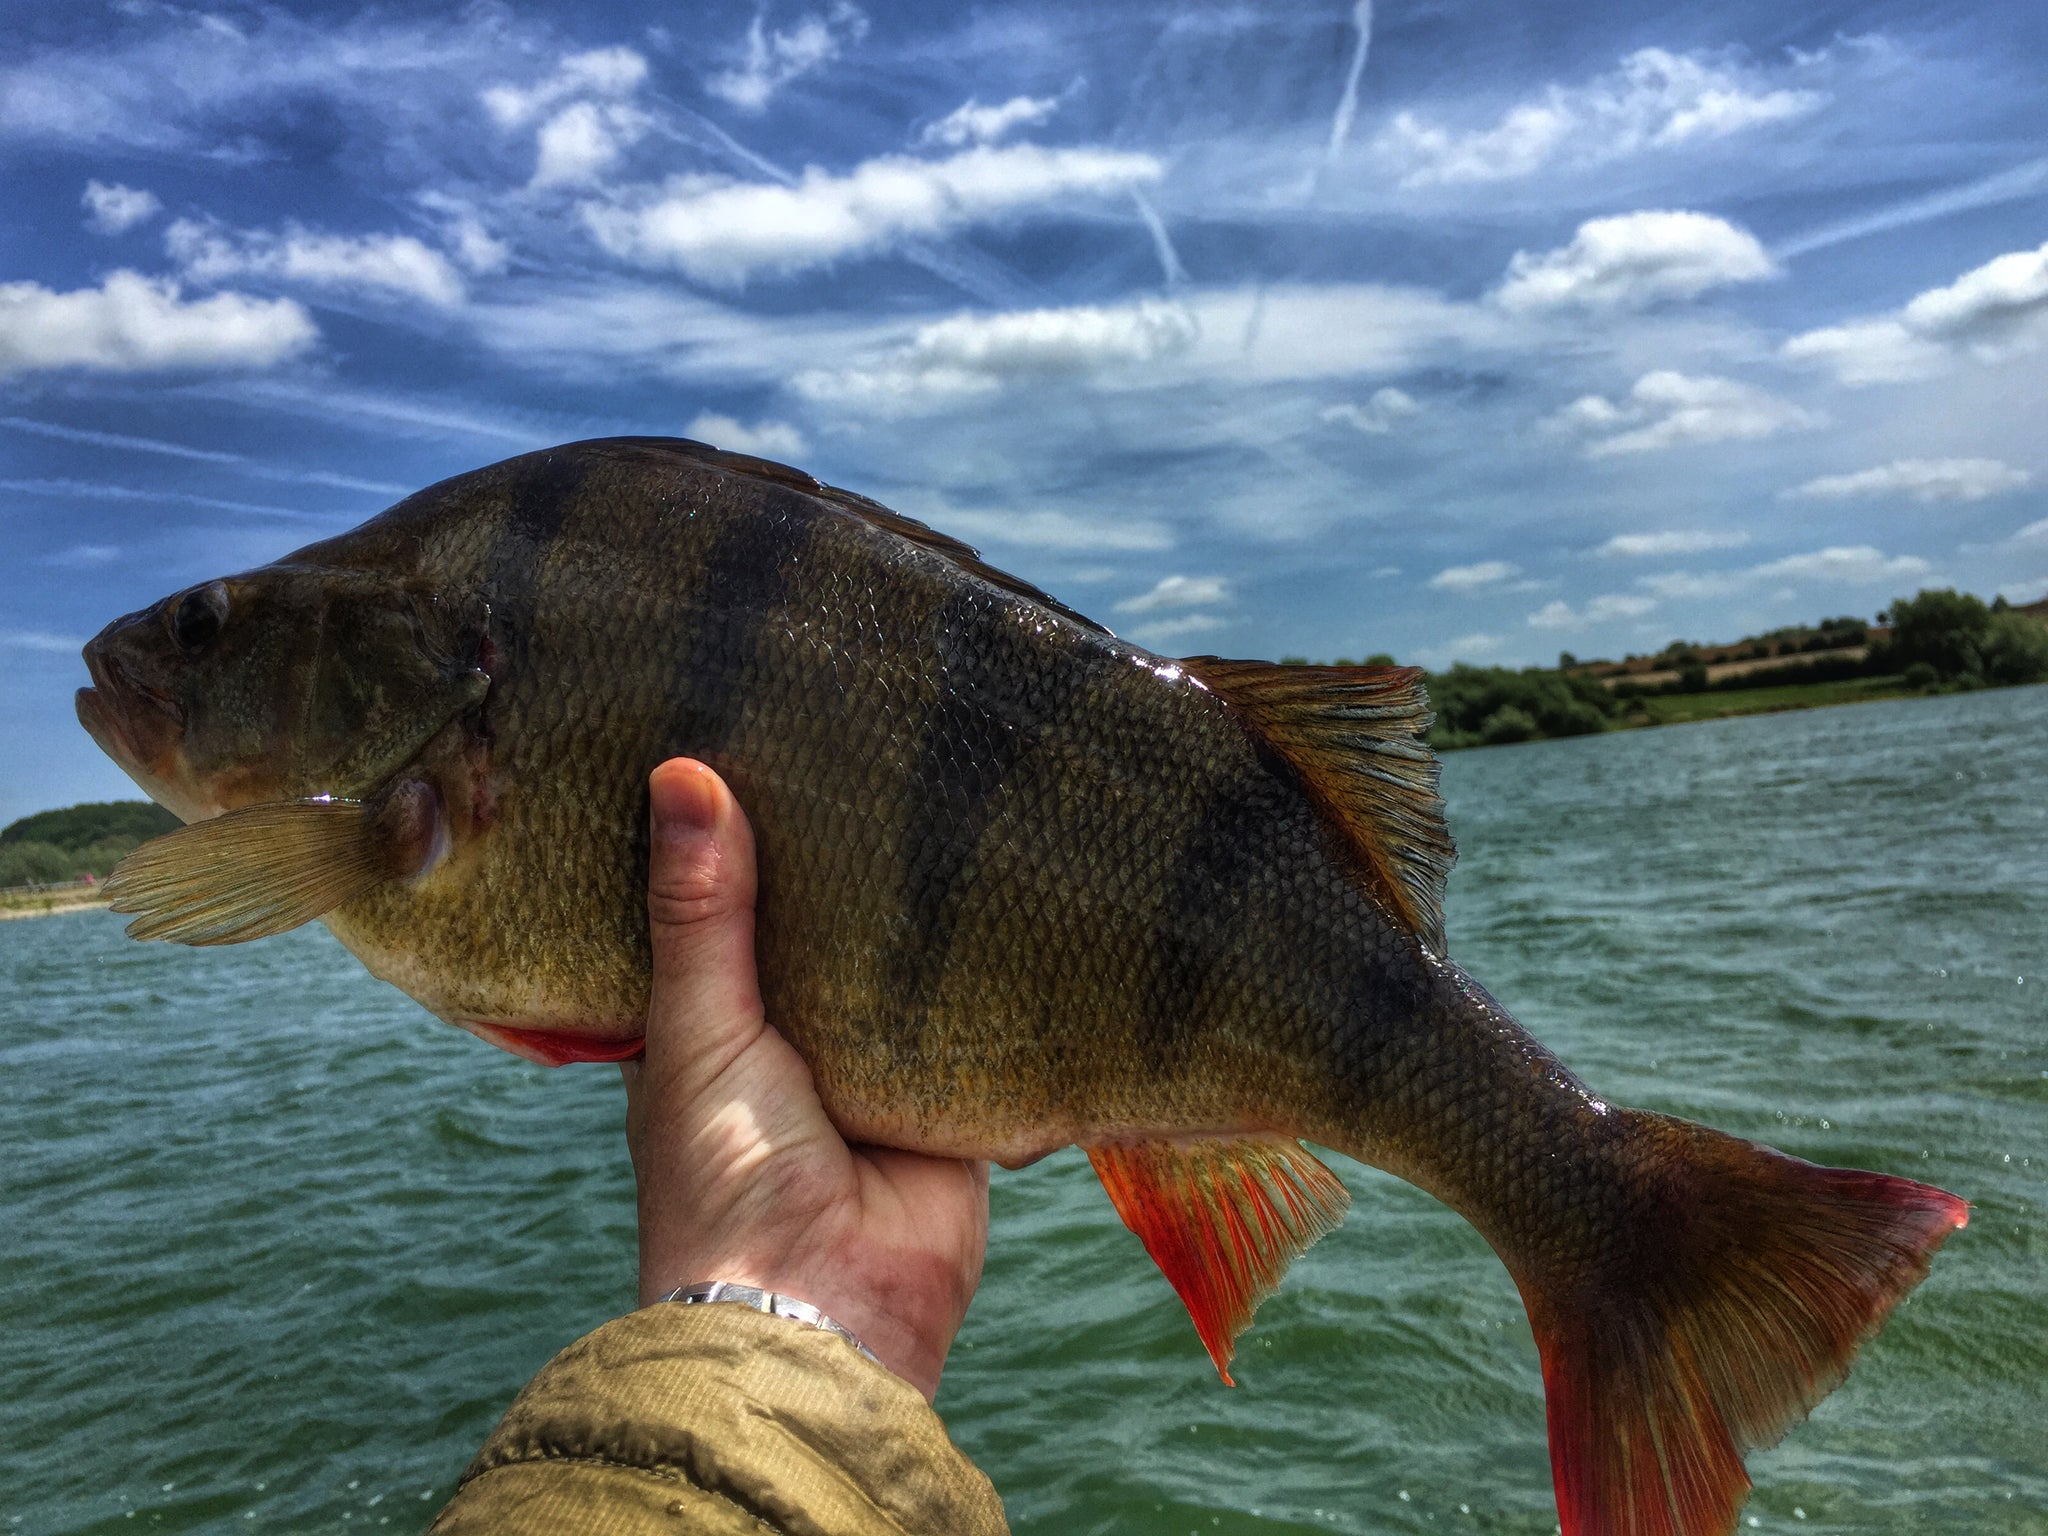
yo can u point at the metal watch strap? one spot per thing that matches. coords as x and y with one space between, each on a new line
774 1303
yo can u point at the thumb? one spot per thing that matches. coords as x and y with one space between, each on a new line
706 1001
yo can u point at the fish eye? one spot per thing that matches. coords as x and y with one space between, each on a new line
198 618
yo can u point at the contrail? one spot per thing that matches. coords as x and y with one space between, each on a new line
204 455
2008 186
1347 104
1169 259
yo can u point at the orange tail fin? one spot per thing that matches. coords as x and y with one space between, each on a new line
1738 1308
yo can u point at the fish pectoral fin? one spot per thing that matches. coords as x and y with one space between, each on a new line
263 869
1222 1218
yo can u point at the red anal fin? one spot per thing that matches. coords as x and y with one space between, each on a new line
558 1047
1222 1219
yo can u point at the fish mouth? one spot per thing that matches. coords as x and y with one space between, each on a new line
120 712
555 1047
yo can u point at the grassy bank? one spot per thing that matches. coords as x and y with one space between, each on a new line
69 898
1679 708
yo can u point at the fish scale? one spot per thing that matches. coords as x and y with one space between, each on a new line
1022 884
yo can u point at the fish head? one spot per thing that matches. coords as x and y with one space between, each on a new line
292 680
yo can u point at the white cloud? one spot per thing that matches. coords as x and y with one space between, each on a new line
1379 414
764 439
723 231
1986 305
1171 629
1634 260
581 142
1854 565
41 640
978 354
1857 565
1991 312
391 263
83 556
603 72
1470 578
1463 648
2032 532
1677 541
1868 352
1654 100
187 79
1178 592
477 248
773 59
1684 584
585 120
1602 609
1052 530
1666 409
1924 480
131 323
972 123
113 209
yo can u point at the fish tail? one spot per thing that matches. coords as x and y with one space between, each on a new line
1732 1301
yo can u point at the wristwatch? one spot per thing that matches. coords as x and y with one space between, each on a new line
774 1303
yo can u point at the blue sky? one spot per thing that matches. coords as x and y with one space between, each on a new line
1456 330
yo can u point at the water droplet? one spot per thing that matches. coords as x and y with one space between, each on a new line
1404 1495
1798 1513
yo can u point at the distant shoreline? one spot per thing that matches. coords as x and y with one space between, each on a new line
49 903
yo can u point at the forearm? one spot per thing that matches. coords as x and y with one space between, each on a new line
730 1418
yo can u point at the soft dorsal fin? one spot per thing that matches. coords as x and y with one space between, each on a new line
966 556
1355 735
1222 1219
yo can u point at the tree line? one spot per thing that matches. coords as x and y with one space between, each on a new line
1940 641
52 847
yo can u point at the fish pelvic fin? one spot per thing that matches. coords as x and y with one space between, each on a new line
1222 1219
1354 735
1743 1302
268 868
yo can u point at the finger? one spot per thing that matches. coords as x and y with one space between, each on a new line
629 1073
700 911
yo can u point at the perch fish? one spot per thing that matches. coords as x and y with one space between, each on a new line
1023 885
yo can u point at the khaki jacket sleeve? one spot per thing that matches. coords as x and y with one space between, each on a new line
679 1420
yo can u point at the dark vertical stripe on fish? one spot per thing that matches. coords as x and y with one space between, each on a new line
989 709
1208 906
538 502
744 588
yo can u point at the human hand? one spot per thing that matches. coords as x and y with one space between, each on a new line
742 1176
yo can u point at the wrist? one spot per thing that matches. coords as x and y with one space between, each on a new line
772 1303
903 1347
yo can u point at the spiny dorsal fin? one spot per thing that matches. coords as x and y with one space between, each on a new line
256 871
1222 1219
1355 735
966 556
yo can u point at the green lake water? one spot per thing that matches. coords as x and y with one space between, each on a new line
276 1249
